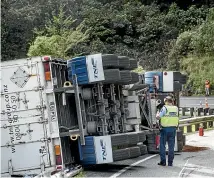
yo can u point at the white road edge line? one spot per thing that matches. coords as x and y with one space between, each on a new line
181 172
199 166
132 165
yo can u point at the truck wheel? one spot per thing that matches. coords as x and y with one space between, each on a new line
143 149
110 60
180 146
150 136
125 77
184 139
124 62
121 154
152 148
142 137
151 139
133 138
134 152
118 140
135 77
177 76
179 135
133 64
111 75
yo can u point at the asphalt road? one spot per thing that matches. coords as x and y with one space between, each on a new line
186 164
195 101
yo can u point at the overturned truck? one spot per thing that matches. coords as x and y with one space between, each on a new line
88 110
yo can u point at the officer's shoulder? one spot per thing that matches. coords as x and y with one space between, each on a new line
163 108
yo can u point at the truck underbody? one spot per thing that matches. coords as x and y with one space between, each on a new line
99 121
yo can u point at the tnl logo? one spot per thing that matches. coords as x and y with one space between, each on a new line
94 64
103 147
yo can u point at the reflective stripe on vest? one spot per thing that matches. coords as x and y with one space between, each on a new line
170 119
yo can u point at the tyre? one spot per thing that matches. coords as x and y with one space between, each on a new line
177 86
110 60
121 154
151 136
133 138
135 77
134 152
184 139
124 62
152 148
177 76
133 64
180 146
118 140
142 136
111 75
143 149
179 135
151 141
125 77
183 79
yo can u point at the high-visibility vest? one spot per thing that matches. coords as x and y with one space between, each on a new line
170 119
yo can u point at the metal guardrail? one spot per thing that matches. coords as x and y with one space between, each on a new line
185 112
193 124
197 119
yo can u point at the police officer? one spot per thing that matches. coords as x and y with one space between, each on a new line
168 119
207 87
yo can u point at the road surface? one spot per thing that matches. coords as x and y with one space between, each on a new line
186 164
195 101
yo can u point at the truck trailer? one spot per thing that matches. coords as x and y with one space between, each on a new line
56 114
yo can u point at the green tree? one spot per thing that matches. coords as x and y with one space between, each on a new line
144 29
194 52
57 38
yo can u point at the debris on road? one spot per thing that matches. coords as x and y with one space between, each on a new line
188 148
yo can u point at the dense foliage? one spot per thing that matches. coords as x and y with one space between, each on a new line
194 53
159 33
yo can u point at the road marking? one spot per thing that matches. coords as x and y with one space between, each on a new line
198 166
202 169
132 165
181 172
193 175
193 168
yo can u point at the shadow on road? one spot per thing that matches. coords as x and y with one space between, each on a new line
109 168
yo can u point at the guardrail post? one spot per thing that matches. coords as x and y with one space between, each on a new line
183 111
191 112
195 111
200 110
206 111
211 111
